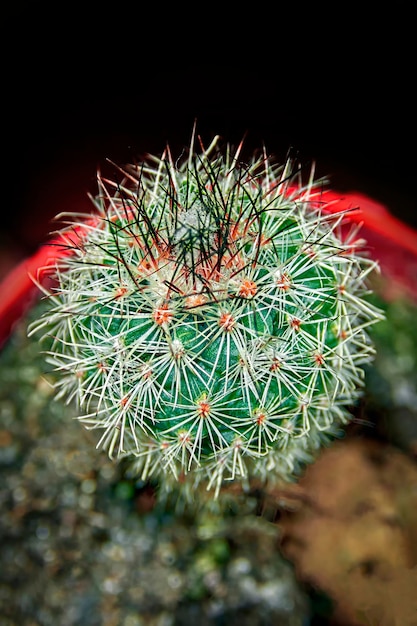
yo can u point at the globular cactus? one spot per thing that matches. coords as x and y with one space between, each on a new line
209 320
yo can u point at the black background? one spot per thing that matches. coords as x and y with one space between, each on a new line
84 82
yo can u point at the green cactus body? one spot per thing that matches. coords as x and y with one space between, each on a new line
209 321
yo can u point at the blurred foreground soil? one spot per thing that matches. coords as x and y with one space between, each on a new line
351 531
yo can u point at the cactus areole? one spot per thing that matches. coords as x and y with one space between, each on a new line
209 321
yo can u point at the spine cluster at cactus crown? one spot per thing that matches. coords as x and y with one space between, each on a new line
209 322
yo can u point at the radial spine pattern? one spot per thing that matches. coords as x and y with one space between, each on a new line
209 321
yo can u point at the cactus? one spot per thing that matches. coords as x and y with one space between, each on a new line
209 320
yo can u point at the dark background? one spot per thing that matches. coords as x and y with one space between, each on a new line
91 81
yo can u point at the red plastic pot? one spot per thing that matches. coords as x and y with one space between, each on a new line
389 240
